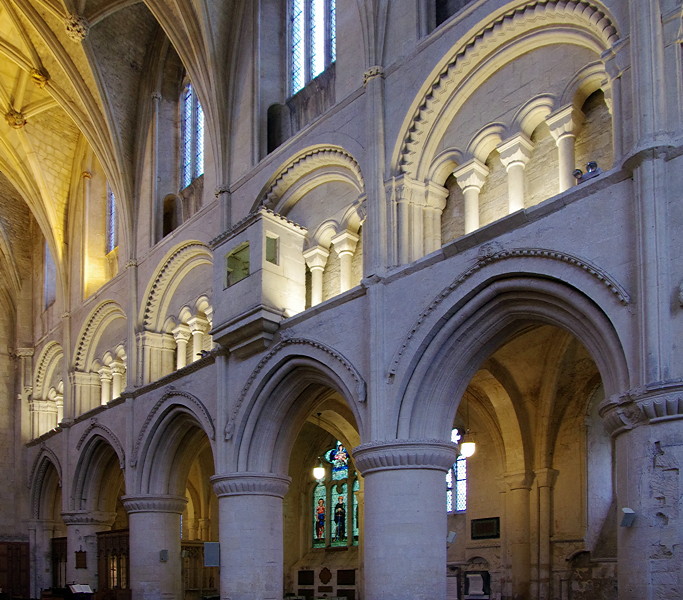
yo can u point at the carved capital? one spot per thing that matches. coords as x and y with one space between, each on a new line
471 174
77 27
621 413
182 333
515 151
15 119
546 477
345 242
565 122
40 76
519 481
150 503
316 258
372 72
404 454
198 324
250 484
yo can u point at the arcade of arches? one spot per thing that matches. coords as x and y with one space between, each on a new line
243 240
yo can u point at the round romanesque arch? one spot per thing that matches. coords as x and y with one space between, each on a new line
173 268
513 30
93 330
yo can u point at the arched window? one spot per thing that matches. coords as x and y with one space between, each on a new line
312 40
111 227
456 481
192 137
335 502
49 277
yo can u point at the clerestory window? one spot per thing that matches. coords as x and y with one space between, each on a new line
192 137
111 228
312 39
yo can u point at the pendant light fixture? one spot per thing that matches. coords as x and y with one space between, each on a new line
319 471
467 447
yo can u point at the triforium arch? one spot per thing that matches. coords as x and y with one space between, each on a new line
586 24
287 387
172 269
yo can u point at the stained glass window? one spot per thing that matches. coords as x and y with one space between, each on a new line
335 502
192 137
456 481
49 277
338 457
320 515
312 39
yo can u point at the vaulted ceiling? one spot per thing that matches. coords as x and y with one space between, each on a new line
72 73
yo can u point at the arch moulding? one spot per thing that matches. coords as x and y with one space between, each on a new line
591 22
92 330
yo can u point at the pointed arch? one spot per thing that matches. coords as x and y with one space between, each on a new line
286 386
468 331
44 480
168 441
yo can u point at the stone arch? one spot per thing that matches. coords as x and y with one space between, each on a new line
167 442
173 267
512 31
48 361
92 330
44 481
275 401
309 168
99 456
468 331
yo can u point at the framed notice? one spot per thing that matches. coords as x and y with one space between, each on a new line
485 529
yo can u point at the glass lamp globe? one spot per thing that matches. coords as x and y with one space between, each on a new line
467 449
319 472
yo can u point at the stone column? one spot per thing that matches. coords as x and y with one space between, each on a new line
81 536
199 326
345 245
157 355
41 532
316 259
471 177
545 480
436 196
250 508
515 154
155 559
404 540
647 427
518 523
181 335
105 384
118 371
564 124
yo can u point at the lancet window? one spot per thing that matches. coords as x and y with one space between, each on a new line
192 137
312 39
